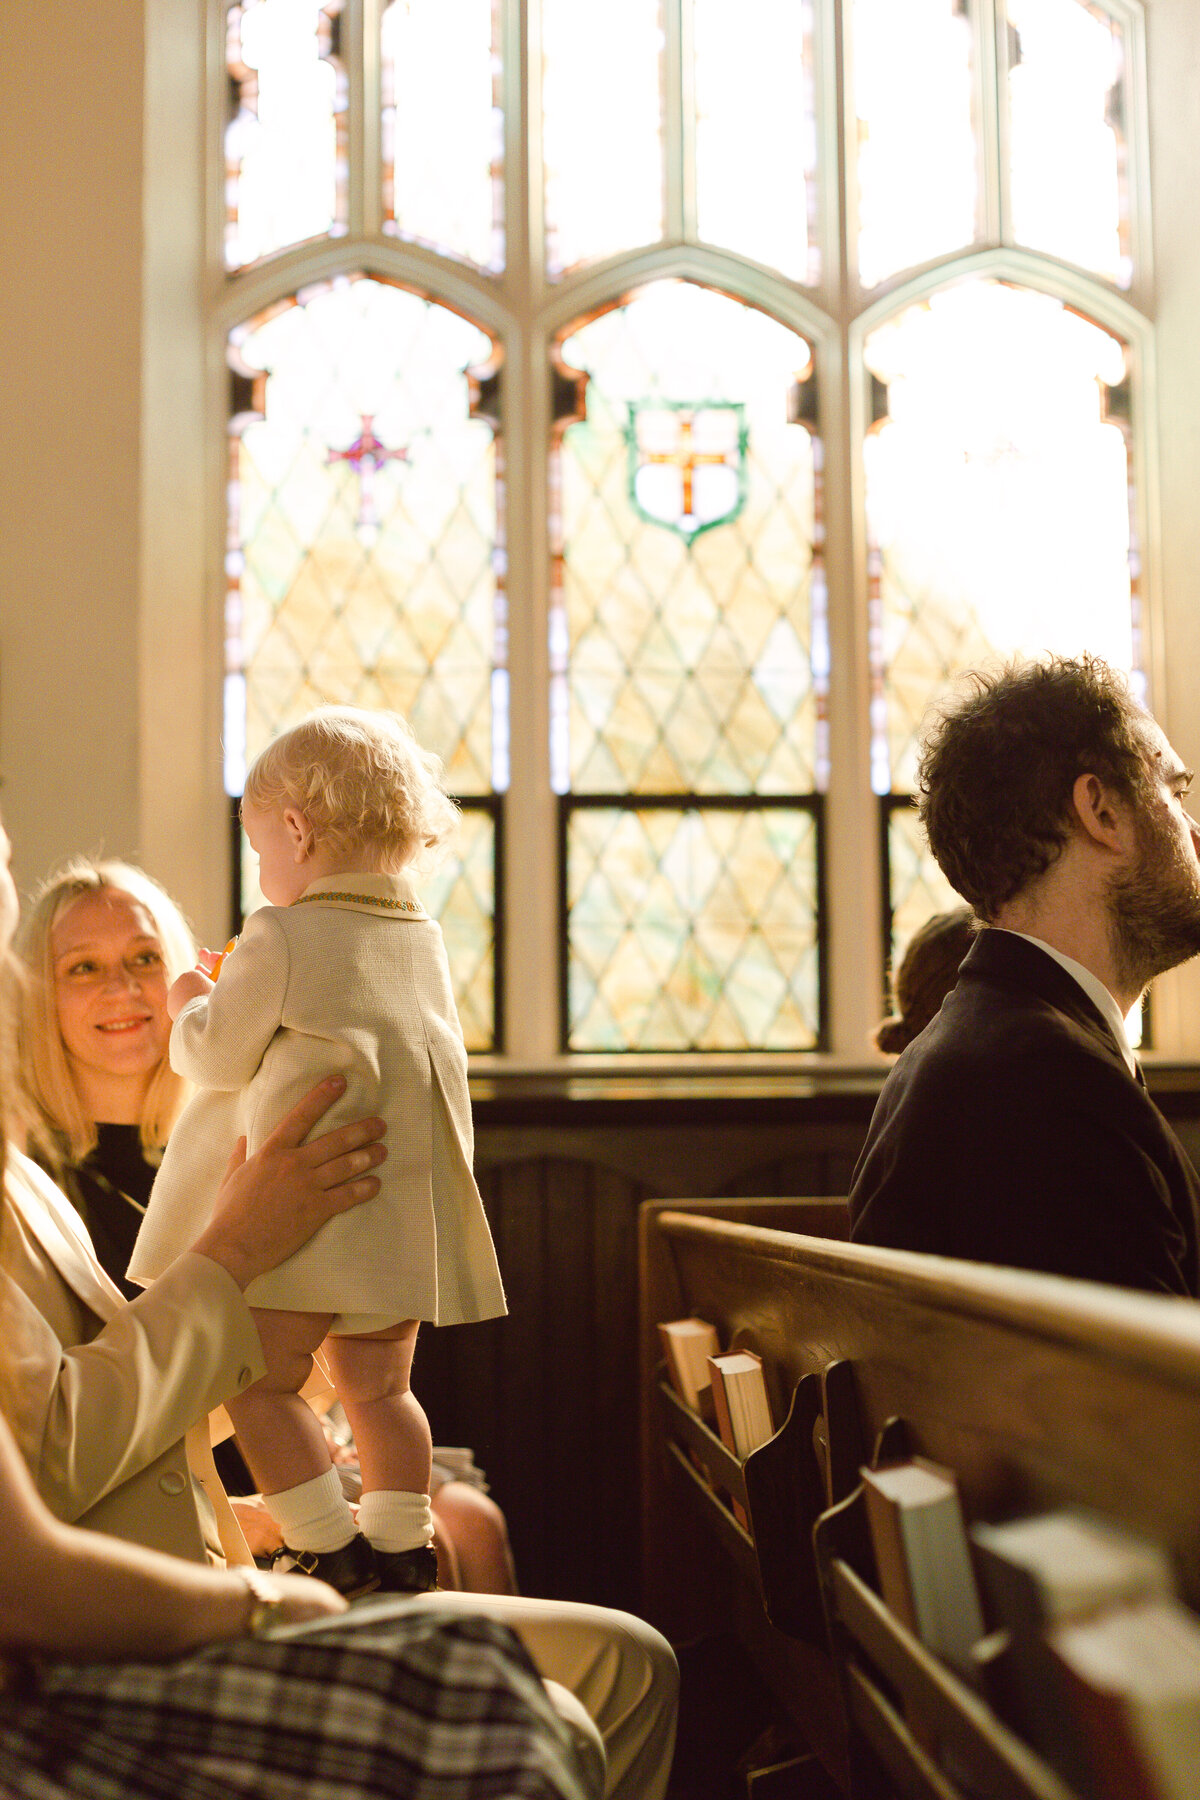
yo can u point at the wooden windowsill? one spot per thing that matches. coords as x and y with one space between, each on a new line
622 1092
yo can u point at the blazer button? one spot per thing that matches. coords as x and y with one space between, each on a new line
172 1482
244 1378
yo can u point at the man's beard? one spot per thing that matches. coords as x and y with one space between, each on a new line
1154 909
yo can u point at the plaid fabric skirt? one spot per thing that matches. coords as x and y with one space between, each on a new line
376 1702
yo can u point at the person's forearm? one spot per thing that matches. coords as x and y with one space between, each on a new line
160 1363
91 1598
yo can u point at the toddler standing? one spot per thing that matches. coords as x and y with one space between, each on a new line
343 971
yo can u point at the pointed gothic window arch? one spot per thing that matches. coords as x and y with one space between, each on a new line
709 638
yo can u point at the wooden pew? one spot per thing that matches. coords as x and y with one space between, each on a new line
1038 1392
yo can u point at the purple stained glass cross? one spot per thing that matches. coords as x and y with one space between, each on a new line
366 455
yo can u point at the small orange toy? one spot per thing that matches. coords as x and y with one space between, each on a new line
220 958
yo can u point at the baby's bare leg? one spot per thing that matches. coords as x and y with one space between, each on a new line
280 1436
371 1374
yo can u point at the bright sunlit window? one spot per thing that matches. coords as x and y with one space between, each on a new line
662 441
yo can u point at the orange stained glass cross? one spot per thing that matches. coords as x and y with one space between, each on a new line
687 458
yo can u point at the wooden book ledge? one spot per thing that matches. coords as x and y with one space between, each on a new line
1039 1394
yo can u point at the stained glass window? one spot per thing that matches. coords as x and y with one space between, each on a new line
684 621
443 128
918 887
917 154
363 550
688 655
693 928
997 496
613 249
1067 145
756 145
285 143
602 129
998 504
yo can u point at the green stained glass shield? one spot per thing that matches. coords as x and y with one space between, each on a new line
682 631
692 929
285 142
443 128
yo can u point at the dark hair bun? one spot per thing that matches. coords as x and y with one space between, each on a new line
928 970
891 1035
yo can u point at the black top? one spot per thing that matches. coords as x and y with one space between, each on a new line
110 1188
1011 1131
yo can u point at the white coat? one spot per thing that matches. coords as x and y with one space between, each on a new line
352 978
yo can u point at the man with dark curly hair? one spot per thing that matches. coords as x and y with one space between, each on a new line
1016 1128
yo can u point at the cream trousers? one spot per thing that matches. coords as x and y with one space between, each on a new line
613 1679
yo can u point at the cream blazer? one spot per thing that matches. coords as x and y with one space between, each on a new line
351 977
101 1392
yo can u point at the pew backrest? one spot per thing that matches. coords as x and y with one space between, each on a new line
1038 1392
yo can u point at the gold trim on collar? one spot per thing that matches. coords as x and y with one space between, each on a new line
406 906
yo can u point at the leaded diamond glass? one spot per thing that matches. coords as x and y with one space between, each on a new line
602 129
363 545
682 640
443 128
913 89
998 501
918 887
756 139
461 895
1066 136
692 929
285 143
998 510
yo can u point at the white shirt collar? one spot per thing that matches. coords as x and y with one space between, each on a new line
1096 992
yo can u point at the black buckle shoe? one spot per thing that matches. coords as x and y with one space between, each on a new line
352 1570
407 1571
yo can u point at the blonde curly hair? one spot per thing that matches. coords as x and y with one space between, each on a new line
363 782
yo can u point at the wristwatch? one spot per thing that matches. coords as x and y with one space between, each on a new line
265 1598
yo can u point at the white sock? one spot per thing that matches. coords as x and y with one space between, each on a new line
395 1521
313 1516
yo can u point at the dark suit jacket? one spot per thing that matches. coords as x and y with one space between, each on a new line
1011 1131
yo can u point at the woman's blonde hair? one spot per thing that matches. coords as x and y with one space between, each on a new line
47 1113
361 779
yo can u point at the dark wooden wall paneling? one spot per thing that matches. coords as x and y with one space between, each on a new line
547 1398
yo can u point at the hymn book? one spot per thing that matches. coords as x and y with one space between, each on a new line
740 1401
922 1557
1055 1570
687 1345
1132 1679
1062 1566
743 1411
